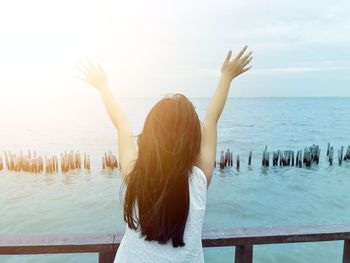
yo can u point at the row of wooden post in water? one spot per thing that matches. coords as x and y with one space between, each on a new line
299 158
69 161
34 163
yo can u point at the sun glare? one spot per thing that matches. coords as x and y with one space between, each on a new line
41 42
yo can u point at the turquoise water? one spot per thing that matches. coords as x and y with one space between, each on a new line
89 202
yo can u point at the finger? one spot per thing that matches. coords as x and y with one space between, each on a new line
82 78
246 69
83 61
86 65
83 67
100 69
247 61
241 52
91 64
80 65
82 72
228 57
245 57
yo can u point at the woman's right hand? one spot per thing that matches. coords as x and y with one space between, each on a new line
232 68
93 75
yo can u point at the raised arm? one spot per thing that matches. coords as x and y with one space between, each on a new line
95 76
231 68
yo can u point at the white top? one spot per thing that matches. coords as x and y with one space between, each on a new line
134 248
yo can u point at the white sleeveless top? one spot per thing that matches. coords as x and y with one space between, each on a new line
134 248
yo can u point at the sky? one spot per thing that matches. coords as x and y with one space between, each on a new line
151 48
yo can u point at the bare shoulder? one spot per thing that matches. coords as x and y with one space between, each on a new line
203 177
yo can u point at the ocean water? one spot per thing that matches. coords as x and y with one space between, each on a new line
82 202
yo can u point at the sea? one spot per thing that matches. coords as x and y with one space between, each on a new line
253 196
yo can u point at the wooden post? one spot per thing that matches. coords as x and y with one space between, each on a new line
41 164
346 251
297 159
307 157
281 157
318 155
7 162
285 161
50 166
263 157
330 159
244 254
222 166
311 150
237 163
107 160
222 160
227 159
315 153
328 148
88 162
107 257
62 170
289 155
11 161
300 158
275 158
347 154
55 164
340 155
266 157
46 167
250 158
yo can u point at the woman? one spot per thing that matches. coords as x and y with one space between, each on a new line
167 175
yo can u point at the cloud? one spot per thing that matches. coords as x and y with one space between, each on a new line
211 72
294 70
157 44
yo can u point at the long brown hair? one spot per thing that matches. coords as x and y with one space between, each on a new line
157 195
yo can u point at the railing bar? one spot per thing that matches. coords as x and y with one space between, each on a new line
106 257
346 251
276 239
244 254
106 244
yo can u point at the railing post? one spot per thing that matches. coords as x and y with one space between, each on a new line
346 251
106 257
244 254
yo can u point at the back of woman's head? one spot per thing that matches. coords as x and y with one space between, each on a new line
157 194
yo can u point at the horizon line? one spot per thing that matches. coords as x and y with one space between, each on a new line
245 97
